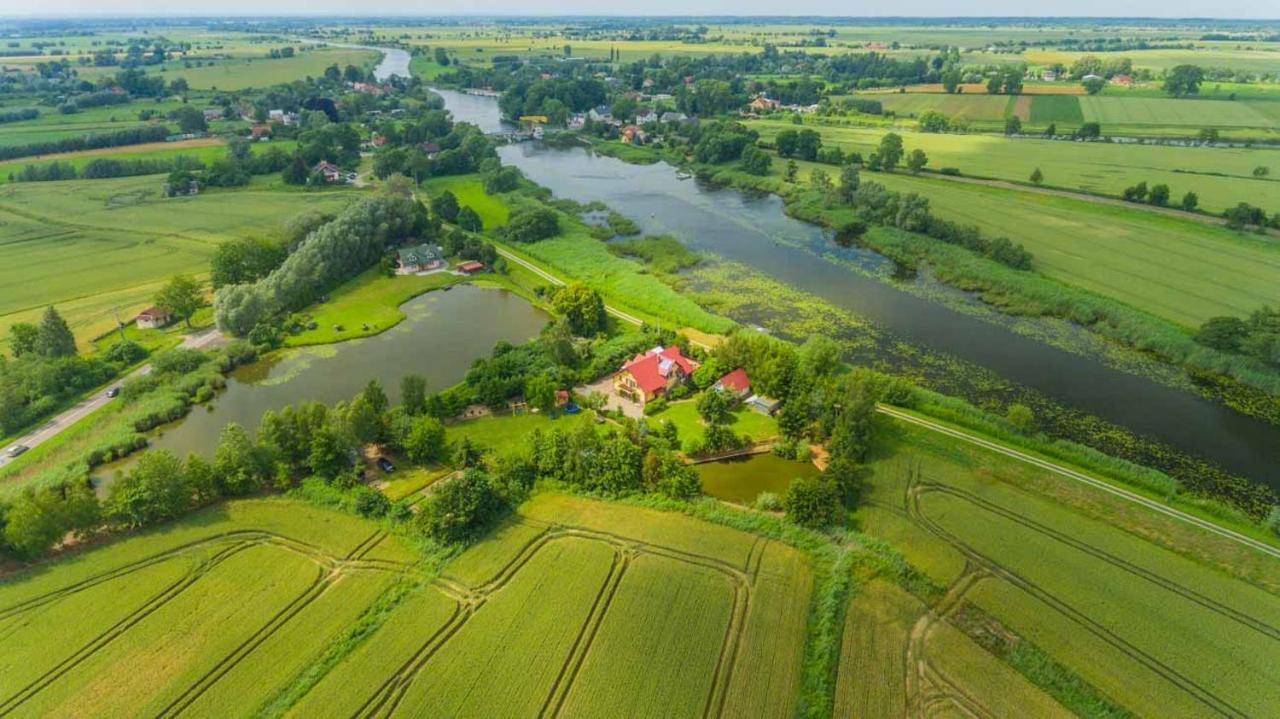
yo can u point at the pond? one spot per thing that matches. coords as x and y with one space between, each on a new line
443 333
755 231
742 479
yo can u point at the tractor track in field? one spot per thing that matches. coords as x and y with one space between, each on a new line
326 577
915 489
387 697
226 544
925 685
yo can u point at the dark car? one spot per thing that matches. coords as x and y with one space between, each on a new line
385 465
113 393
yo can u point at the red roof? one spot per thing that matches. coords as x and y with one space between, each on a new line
736 381
651 369
471 266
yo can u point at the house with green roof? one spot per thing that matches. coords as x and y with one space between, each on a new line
421 258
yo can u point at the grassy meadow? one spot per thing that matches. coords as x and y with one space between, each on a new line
1220 177
556 608
93 247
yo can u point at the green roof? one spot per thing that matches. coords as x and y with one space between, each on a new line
421 255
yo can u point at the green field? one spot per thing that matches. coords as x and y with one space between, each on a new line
238 610
1192 113
1161 617
365 305
94 246
469 190
1065 109
960 106
684 415
1221 177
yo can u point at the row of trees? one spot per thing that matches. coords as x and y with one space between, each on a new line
1257 335
119 138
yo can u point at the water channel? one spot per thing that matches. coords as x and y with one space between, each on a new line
755 231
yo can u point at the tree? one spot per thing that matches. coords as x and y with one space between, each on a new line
890 151
37 519
582 307
1159 195
460 508
1183 80
237 465
1051 130
715 407
849 181
23 337
442 57
469 220
1190 201
445 206
1037 176
1261 171
1136 193
1208 135
1093 85
934 121
466 454
364 421
532 224
792 170
813 502
540 392
916 161
425 442
156 488
1223 333
296 172
848 234
413 394
53 336
756 161
189 119
182 296
1012 125
1089 131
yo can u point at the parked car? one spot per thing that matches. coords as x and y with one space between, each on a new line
16 450
113 393
385 465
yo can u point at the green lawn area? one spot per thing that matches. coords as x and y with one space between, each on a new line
684 414
407 481
1221 177
469 190
371 298
508 431
95 248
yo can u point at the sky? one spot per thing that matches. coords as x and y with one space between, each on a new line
855 8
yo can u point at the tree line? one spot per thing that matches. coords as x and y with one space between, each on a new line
119 138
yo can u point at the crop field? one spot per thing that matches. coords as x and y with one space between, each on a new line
962 106
239 73
1165 58
561 606
1182 270
1064 109
92 246
1221 177
1127 111
1158 617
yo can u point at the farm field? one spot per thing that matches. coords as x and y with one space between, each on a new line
1128 111
60 238
555 609
1135 606
962 106
1221 177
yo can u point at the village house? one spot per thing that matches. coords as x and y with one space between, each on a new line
470 267
328 171
644 117
212 113
369 88
431 148
736 383
632 135
600 114
260 131
422 258
652 374
275 116
1048 75
292 119
1091 76
153 318
761 102
1122 81
576 121
672 116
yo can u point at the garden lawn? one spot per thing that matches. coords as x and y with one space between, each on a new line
469 189
505 431
684 414
370 299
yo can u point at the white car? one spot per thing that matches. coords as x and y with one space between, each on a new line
15 450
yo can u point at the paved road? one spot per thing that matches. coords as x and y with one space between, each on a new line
1084 479
200 340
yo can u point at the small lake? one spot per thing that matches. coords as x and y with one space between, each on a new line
742 479
443 333
755 231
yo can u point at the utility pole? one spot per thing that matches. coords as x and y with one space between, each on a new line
119 324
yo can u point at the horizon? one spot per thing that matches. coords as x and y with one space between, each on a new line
96 14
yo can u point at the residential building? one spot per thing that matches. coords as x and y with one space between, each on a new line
600 114
632 135
1122 80
275 115
328 171
1048 75
652 374
644 117
471 267
672 116
421 258
576 121
761 102
212 113
153 318
260 131
735 383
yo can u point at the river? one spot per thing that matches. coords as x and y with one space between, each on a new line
748 230
442 334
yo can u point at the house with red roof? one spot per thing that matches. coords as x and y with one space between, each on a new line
652 374
735 383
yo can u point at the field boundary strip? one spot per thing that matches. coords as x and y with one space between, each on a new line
1077 476
1194 689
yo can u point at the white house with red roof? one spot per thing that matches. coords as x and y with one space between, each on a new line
652 374
735 383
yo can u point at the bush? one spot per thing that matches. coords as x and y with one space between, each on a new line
460 508
813 502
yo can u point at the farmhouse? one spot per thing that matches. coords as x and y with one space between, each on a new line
652 374
762 102
1122 80
152 318
328 171
735 383
260 131
212 113
1048 75
422 258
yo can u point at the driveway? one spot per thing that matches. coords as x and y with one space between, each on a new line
612 399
